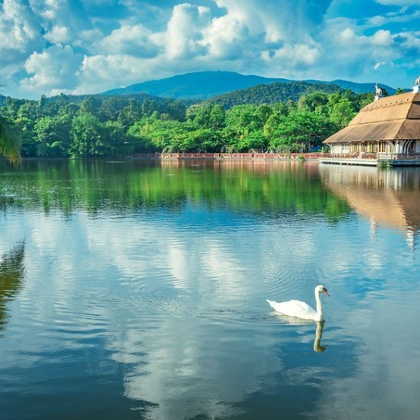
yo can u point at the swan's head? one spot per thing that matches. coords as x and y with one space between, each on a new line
321 289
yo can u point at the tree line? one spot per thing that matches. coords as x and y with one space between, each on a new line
103 126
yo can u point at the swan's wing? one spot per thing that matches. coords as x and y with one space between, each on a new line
294 308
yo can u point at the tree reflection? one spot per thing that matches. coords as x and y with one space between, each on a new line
12 272
259 188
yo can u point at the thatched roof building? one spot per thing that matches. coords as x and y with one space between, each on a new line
389 125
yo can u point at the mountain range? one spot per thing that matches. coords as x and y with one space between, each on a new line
209 84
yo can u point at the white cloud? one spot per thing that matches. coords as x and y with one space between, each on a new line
382 38
132 40
101 72
88 37
401 16
125 42
296 55
58 34
293 21
60 13
225 38
184 37
19 32
55 67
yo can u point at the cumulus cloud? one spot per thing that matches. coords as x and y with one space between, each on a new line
91 46
19 32
101 72
58 34
294 20
225 38
128 40
183 38
54 68
297 55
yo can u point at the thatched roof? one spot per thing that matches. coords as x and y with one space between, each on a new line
394 117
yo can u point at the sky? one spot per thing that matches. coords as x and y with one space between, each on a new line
50 47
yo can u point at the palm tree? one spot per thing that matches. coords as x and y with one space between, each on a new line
9 143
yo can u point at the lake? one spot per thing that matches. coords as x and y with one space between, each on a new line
137 289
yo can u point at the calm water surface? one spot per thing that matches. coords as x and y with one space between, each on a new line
137 290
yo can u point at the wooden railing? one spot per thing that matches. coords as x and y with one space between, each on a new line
266 156
397 156
274 156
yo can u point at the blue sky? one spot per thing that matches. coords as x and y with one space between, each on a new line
89 46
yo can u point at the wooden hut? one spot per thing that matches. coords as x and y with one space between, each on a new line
388 128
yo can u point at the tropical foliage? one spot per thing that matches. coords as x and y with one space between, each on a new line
99 126
9 142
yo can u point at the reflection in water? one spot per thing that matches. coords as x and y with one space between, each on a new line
259 188
5 201
300 322
144 295
318 336
11 275
390 198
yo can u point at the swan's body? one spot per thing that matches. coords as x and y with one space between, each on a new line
301 309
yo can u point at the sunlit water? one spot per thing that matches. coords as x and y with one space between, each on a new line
138 290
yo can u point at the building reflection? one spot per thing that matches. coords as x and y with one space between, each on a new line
384 197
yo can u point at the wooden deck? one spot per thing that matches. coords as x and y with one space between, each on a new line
372 159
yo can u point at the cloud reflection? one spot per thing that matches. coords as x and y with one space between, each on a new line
180 309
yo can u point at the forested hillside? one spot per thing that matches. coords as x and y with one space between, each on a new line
272 93
99 126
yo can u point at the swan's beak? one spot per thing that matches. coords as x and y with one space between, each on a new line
325 291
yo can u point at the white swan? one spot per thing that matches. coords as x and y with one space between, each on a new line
301 309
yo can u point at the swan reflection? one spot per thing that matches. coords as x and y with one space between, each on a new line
318 347
318 335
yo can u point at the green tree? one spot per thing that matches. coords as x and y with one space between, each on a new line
271 126
299 131
217 117
53 136
311 102
255 140
89 137
136 141
341 113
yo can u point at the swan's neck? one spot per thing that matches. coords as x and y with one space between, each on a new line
319 309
